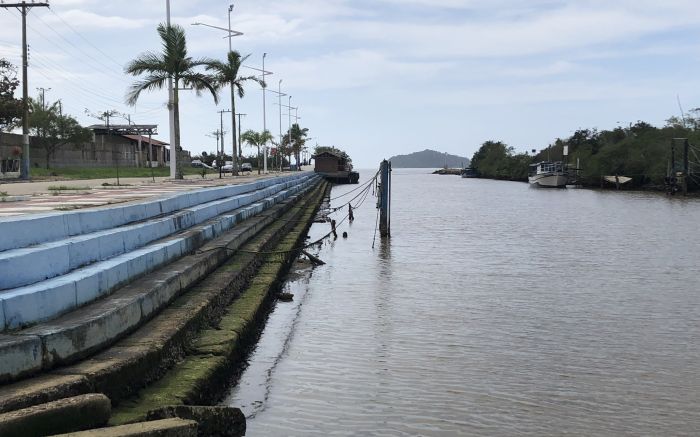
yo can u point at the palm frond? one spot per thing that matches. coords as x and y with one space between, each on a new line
201 82
148 62
174 45
151 82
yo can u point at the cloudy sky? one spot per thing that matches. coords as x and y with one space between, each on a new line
384 77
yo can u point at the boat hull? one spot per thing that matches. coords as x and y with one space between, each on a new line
548 180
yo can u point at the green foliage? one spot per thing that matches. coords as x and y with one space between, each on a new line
293 141
227 74
257 139
10 108
173 62
111 172
53 130
496 160
640 151
332 149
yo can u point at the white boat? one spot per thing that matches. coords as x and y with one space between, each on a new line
547 174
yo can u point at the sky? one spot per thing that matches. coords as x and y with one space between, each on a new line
383 77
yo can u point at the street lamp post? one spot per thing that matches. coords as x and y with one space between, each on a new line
231 34
171 113
279 90
264 117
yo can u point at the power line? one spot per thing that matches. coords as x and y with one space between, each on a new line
104 70
85 39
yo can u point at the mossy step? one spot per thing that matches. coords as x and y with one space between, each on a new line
177 387
212 349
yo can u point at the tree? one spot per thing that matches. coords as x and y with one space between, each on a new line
320 149
293 141
10 108
257 139
53 130
226 73
173 62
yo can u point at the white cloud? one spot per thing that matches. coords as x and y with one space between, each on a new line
81 19
354 69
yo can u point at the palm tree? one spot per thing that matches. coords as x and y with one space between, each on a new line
173 63
298 136
226 73
257 139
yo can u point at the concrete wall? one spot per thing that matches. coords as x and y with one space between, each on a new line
103 152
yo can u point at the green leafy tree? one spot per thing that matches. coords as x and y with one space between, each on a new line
173 62
293 142
53 130
227 74
320 149
10 107
257 139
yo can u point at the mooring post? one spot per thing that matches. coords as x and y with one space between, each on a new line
385 199
686 168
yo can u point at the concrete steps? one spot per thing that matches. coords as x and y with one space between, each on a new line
87 261
130 303
140 357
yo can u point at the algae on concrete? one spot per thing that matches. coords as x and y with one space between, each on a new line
213 349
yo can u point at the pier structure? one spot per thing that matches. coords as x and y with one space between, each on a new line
161 295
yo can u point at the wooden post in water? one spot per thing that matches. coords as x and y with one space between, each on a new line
686 168
385 199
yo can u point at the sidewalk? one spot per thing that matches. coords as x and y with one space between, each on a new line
36 197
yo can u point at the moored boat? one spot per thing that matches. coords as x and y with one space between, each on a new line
468 172
547 174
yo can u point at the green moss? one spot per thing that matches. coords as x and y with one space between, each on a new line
178 385
233 322
216 342
213 347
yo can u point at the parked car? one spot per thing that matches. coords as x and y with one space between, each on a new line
199 164
246 166
228 166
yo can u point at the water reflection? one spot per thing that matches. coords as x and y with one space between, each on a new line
493 310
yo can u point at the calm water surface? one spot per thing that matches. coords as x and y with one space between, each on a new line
495 309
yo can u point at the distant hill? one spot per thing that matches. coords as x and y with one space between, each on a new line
428 159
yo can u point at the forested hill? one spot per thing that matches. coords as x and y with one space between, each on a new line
428 159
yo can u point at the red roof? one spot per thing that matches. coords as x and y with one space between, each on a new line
145 140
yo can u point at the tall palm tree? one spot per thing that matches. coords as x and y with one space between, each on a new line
257 139
226 73
172 63
298 137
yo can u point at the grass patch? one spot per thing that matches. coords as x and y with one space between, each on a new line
111 172
67 188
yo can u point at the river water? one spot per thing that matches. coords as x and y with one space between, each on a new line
494 309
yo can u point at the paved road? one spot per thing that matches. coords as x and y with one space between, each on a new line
36 197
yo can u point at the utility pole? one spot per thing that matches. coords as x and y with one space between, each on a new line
43 96
296 121
289 132
221 157
240 146
23 7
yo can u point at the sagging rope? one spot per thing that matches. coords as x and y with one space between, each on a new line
353 190
364 193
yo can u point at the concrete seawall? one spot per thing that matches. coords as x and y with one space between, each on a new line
186 322
83 255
